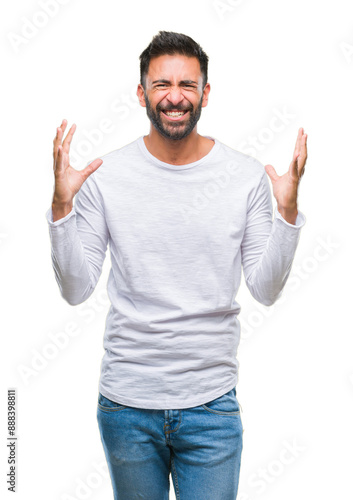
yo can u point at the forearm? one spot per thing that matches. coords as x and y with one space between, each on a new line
79 238
69 261
270 274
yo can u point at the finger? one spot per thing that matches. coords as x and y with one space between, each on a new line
63 125
293 167
271 172
61 130
58 163
297 144
303 155
92 167
55 142
68 138
58 138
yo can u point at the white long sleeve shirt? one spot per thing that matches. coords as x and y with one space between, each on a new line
178 236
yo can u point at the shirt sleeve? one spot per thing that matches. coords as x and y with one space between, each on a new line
79 243
268 246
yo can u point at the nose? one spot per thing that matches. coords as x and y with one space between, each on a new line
175 96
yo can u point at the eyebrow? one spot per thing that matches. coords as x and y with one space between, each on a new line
183 82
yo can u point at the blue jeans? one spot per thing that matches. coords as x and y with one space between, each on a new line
200 447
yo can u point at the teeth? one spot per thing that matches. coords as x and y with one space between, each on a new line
174 113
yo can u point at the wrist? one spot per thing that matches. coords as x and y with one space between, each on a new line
60 210
289 214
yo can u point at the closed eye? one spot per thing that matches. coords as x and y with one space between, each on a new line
164 85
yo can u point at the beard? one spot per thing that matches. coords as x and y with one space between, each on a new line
173 130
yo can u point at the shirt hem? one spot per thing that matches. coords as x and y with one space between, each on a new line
143 404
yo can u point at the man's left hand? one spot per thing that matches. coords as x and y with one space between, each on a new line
285 187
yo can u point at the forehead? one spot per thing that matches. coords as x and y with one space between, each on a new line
174 67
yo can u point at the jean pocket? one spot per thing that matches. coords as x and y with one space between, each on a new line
106 404
224 405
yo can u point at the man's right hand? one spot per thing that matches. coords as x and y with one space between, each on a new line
68 181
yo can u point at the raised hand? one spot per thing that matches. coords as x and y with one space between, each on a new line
68 181
285 187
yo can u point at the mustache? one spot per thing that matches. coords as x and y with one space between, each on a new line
172 108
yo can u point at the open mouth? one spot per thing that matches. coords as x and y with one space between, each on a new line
175 115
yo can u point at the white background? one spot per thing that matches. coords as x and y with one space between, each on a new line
296 367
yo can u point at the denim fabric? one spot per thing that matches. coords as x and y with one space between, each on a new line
200 447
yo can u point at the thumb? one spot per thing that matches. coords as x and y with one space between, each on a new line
271 172
87 171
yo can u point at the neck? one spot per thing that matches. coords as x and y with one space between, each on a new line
187 150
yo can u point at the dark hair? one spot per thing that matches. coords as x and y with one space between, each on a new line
170 43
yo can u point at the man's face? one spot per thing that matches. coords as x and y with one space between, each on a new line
174 95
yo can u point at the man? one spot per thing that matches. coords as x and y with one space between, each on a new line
181 213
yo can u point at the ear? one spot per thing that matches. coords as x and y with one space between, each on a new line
206 91
141 95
